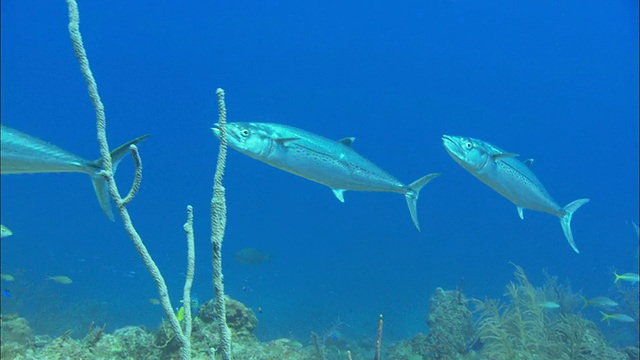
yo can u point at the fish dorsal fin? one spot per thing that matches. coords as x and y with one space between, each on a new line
339 193
528 162
285 141
348 141
520 212
504 156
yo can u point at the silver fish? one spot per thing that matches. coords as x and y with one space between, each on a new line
510 177
311 156
25 154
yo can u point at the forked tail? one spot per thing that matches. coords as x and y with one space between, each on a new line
412 196
565 220
100 183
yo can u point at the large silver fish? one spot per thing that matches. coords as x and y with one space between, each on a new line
328 162
25 154
510 177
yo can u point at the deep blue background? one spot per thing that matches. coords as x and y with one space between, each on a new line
557 82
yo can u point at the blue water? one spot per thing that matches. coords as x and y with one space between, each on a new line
553 81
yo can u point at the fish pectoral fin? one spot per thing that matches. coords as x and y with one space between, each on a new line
285 141
348 141
520 212
339 193
504 156
528 162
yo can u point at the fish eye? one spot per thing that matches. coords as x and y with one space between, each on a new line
244 132
468 145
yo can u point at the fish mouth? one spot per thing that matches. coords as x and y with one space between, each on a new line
216 129
452 145
449 142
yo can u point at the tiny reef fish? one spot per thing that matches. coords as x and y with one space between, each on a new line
629 277
60 279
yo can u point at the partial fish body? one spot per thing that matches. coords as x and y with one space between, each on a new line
311 156
25 154
510 177
629 277
617 317
5 231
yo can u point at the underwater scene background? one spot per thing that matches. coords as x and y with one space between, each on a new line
552 81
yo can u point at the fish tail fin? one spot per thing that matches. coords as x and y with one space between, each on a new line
412 196
618 277
565 220
605 317
100 183
586 302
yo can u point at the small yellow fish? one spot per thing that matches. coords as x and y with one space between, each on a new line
599 301
4 231
153 301
616 317
7 277
180 314
630 277
60 279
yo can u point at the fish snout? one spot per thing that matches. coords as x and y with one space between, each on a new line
452 144
216 129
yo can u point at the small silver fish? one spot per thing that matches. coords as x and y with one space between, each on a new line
549 305
251 256
316 158
25 154
510 177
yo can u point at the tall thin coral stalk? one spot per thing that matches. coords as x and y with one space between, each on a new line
218 226
107 173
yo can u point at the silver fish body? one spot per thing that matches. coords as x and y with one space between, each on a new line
325 161
25 154
512 178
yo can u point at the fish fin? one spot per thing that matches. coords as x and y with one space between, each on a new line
348 141
528 162
339 193
284 141
520 212
565 220
504 156
586 302
101 188
100 183
412 196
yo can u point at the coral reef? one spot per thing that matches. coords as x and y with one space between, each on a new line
517 329
451 332
521 329
134 342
